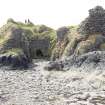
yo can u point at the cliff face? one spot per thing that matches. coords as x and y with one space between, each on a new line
86 43
26 41
32 41
87 37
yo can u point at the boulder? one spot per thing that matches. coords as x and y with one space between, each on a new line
94 23
62 33
93 43
14 58
21 62
54 65
91 60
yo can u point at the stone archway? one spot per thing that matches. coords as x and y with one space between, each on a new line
39 53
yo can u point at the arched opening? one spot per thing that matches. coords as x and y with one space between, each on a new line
39 53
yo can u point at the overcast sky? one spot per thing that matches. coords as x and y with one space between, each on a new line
54 13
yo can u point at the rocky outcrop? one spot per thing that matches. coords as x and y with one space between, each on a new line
88 37
87 61
14 58
40 41
15 39
62 41
94 23
20 43
86 44
95 59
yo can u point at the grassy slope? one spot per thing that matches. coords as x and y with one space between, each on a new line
31 31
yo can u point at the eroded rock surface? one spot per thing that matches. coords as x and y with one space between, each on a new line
25 42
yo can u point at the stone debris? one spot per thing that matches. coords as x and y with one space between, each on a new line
40 87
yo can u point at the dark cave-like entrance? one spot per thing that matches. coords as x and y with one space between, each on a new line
39 53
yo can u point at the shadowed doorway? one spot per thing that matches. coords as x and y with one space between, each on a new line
39 53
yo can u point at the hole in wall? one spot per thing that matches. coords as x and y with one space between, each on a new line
39 53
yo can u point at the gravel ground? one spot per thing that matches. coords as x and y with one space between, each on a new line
40 87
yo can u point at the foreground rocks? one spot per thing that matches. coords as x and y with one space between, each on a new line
95 59
54 65
37 86
88 61
15 59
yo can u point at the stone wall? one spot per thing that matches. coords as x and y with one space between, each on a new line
39 48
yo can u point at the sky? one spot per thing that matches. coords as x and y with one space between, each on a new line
53 13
